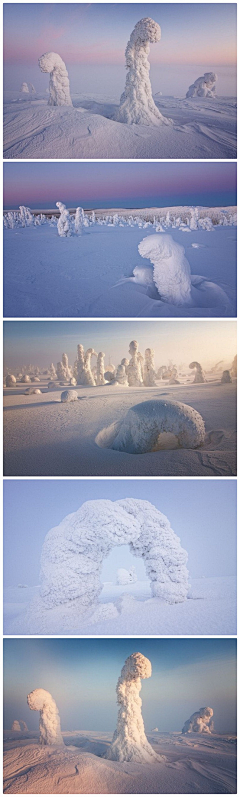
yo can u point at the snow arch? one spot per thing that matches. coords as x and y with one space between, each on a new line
73 553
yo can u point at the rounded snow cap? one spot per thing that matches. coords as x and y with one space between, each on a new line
39 698
50 61
137 666
147 30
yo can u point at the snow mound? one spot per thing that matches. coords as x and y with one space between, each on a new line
154 425
204 86
49 722
69 395
10 380
171 270
200 722
129 740
59 90
31 391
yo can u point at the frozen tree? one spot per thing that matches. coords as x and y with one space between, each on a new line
149 375
24 726
234 367
162 372
64 221
32 88
129 741
100 369
25 216
204 86
69 395
10 380
59 90
200 722
171 270
67 369
193 224
109 376
226 377
16 726
25 378
52 371
73 381
79 221
121 372
134 371
126 576
86 375
49 722
79 365
136 103
199 375
154 425
173 378
24 88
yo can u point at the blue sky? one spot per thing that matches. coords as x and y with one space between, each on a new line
44 503
81 674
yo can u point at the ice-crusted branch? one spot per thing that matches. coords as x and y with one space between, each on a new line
49 722
59 90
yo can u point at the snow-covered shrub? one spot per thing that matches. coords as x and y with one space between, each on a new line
199 375
87 377
79 365
73 381
16 726
52 371
204 86
23 725
64 226
59 90
129 741
25 378
126 576
134 371
24 88
31 391
136 103
79 221
154 425
11 380
226 377
149 375
109 376
206 224
121 372
171 270
25 216
173 378
67 368
69 395
100 380
200 722
49 721
234 367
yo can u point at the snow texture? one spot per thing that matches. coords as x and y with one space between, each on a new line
136 103
200 722
126 576
149 374
199 375
154 425
100 380
134 370
10 380
59 90
204 86
171 270
69 395
49 721
226 377
129 740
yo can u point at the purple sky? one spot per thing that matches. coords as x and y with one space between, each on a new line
40 185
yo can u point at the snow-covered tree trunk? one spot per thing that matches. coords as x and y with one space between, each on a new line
149 374
136 103
49 722
100 369
171 270
134 371
129 740
200 722
59 90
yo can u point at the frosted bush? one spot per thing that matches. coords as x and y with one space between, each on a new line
79 221
199 375
226 377
129 740
25 216
200 722
25 378
69 395
206 224
52 371
136 102
173 378
109 376
59 90
64 226
134 371
16 726
204 86
49 722
24 88
121 373
73 381
154 425
149 375
67 368
171 270
100 380
11 380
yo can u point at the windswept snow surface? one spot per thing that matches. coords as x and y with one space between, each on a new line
45 437
101 273
202 128
194 764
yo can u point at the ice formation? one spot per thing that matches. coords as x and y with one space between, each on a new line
199 375
126 576
129 741
136 103
59 90
100 369
149 375
73 553
171 270
64 222
49 722
226 377
154 425
16 726
10 380
69 395
200 722
133 369
204 86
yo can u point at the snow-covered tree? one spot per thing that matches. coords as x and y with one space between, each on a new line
87 376
200 722
171 270
121 372
64 225
226 377
49 721
10 380
234 367
69 395
129 741
193 224
100 380
53 372
136 103
67 368
199 375
173 378
23 725
149 374
25 216
134 371
25 378
24 88
59 90
204 86
79 364
79 221
16 726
